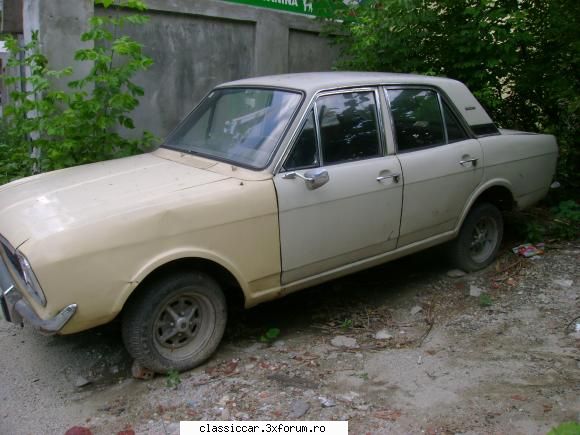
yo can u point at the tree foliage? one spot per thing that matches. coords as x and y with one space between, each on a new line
44 128
520 57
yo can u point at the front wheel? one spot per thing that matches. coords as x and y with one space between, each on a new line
479 238
176 322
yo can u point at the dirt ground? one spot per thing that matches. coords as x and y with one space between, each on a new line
402 348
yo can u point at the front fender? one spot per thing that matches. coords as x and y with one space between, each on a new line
167 257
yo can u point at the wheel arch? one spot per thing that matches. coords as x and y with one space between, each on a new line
496 192
230 281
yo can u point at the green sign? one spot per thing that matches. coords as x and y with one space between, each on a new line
318 8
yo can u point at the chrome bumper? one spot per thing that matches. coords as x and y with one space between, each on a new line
16 309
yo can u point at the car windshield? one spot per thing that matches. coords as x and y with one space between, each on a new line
239 125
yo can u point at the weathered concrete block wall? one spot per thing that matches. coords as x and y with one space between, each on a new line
60 24
195 44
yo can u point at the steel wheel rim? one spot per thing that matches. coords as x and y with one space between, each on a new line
183 324
483 239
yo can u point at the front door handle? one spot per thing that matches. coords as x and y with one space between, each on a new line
468 162
313 179
395 177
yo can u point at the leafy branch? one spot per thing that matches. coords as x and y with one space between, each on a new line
44 128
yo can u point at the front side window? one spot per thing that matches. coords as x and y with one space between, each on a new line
417 117
240 125
348 126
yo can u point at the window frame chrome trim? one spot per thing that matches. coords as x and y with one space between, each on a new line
442 115
276 165
444 103
279 165
378 114
300 129
276 147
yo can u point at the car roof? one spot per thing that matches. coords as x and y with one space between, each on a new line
315 81
310 83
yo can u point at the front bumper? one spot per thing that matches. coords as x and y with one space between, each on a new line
16 309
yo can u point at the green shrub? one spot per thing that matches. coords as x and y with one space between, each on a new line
568 428
44 128
520 58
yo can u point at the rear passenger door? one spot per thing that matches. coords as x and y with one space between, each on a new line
339 195
442 165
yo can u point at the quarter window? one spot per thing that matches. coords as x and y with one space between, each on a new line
348 127
455 132
417 117
304 154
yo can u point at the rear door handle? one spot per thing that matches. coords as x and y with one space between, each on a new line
468 162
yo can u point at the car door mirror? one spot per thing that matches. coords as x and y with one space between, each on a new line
313 179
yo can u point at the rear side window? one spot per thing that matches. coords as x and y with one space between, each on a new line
348 126
417 117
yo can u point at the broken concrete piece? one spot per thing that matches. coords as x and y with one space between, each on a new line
566 283
298 408
383 334
475 291
81 381
456 273
326 402
416 310
342 341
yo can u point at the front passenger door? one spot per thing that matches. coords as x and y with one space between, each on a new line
339 196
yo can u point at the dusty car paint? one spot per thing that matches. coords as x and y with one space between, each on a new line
93 233
106 226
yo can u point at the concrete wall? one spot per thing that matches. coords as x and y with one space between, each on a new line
60 24
11 16
195 44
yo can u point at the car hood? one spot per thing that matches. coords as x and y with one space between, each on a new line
35 207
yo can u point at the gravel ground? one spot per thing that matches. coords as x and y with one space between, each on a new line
402 348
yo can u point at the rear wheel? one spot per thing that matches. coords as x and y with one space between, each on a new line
176 322
479 238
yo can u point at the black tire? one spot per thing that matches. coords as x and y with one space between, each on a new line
479 238
176 322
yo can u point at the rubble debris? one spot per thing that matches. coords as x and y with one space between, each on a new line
566 283
78 430
81 381
416 310
326 402
475 291
456 273
140 372
388 414
383 334
298 408
343 341
528 250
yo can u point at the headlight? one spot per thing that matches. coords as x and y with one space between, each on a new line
30 280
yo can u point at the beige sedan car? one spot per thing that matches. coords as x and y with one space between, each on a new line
270 185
